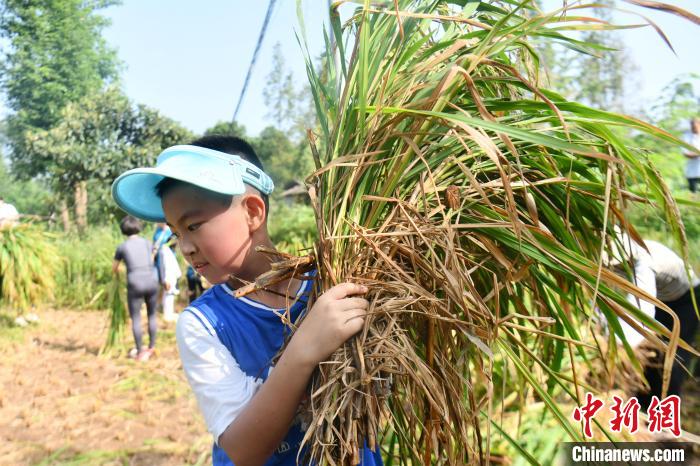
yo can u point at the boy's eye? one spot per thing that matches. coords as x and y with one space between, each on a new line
193 226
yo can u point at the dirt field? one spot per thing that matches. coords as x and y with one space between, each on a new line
62 404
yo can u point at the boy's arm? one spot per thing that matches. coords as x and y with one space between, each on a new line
255 434
258 430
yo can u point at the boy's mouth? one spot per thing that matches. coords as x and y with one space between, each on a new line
198 266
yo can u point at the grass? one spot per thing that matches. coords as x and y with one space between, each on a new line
85 272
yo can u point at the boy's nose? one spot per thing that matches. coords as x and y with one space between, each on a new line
187 247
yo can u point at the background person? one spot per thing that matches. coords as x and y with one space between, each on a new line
141 283
662 274
169 274
8 213
692 167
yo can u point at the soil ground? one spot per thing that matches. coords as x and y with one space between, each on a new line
63 404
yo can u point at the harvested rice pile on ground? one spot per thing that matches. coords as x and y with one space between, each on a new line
476 206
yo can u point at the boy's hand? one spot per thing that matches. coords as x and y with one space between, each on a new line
335 317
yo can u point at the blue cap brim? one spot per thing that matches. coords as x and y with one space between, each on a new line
135 192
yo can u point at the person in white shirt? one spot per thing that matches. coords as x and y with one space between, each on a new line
692 167
662 273
8 213
170 273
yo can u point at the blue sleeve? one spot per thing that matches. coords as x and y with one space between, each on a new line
372 458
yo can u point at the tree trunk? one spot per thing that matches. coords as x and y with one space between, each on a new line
81 205
65 216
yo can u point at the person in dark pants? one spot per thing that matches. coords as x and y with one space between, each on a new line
684 309
661 273
141 282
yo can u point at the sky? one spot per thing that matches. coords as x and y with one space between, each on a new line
189 59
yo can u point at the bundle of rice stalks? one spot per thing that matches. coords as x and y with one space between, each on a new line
476 206
118 316
27 266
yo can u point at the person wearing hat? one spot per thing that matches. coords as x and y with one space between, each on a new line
213 193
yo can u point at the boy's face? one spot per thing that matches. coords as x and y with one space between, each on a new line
214 236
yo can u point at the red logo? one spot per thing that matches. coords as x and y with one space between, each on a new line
587 412
626 415
664 414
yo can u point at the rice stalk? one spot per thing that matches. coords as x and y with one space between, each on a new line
118 316
84 275
27 266
476 205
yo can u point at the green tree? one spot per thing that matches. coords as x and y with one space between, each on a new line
279 93
56 55
227 128
278 155
290 109
672 111
99 137
28 196
598 77
284 159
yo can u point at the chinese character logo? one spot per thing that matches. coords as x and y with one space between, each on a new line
663 414
587 412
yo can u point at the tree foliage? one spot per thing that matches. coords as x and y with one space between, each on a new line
28 196
290 109
101 136
284 159
598 76
227 128
279 92
56 55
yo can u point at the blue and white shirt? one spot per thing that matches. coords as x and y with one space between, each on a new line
227 345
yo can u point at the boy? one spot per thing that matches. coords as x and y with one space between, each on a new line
213 194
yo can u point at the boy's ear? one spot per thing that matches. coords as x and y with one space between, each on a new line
255 210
